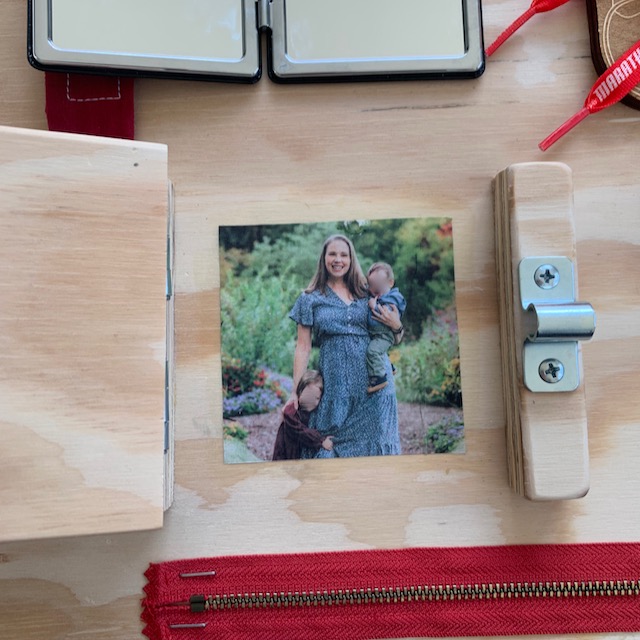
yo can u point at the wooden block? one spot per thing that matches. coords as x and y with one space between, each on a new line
546 431
83 239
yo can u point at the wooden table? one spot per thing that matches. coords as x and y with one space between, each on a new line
415 148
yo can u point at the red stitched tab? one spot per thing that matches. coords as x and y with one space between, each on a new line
613 85
537 6
98 105
93 88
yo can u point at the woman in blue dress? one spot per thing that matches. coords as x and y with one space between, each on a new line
334 309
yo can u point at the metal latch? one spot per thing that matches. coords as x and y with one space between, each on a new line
555 323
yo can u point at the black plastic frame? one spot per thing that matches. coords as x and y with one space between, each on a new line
310 79
133 73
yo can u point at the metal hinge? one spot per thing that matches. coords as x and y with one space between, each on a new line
555 324
169 362
264 14
169 292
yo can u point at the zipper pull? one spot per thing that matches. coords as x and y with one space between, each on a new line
537 6
613 85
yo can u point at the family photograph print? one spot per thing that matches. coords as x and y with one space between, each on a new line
339 339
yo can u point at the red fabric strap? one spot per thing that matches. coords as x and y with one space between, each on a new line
613 85
98 105
537 6
611 567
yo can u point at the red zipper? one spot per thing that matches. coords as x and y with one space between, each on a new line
362 595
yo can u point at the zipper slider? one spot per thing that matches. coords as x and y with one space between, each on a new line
198 603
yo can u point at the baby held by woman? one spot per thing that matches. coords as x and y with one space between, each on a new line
382 291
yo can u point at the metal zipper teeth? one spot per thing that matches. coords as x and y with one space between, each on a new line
395 595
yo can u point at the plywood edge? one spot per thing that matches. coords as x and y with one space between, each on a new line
170 392
78 138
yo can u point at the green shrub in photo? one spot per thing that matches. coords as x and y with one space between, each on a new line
256 328
429 368
238 376
446 436
234 430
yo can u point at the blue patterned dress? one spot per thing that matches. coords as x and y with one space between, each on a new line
363 425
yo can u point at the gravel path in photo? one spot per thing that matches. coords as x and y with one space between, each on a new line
414 421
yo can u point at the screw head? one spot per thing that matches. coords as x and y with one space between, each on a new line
546 276
551 370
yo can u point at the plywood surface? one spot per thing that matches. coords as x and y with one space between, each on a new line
82 325
272 153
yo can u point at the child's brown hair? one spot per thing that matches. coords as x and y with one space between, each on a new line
310 376
382 266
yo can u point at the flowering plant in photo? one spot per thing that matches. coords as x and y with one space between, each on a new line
234 430
445 436
237 376
445 319
248 389
251 402
281 385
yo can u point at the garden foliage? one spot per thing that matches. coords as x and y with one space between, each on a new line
264 269
429 368
446 436
248 389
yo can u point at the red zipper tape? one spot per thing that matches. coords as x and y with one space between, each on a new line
172 584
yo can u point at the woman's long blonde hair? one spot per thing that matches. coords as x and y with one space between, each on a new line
354 279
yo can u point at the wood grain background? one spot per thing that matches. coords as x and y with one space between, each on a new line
275 153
